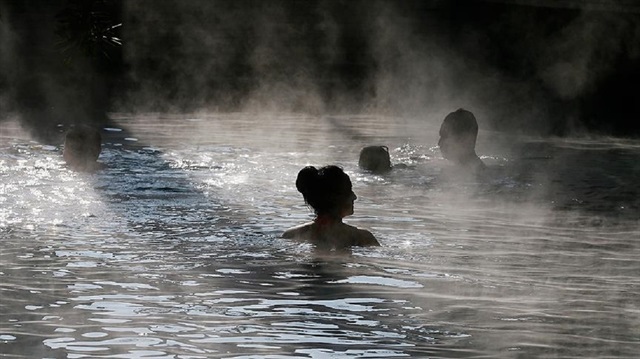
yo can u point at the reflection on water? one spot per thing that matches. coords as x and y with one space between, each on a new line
173 250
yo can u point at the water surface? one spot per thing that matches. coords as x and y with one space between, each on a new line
173 250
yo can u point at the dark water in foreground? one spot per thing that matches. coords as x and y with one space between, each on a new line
173 250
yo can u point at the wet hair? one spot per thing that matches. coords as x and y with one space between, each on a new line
83 143
460 122
375 159
324 189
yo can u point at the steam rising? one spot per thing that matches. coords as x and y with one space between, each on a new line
416 59
542 67
6 44
586 50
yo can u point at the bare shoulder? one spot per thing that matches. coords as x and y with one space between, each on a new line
362 237
368 239
298 232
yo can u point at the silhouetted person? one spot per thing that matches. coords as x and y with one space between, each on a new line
375 159
329 192
82 147
457 142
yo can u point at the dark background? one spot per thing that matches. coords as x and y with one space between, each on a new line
536 67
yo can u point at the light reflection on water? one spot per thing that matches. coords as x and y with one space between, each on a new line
173 250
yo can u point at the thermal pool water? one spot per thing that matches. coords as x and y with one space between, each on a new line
173 250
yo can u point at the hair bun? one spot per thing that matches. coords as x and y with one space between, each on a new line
307 177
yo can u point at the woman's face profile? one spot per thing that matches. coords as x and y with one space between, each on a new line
348 205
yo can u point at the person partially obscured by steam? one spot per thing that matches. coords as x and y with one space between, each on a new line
82 147
329 192
457 143
375 159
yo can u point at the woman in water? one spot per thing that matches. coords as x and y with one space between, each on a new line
328 191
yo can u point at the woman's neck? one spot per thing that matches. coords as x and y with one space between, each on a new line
324 220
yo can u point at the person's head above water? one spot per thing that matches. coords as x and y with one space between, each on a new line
375 159
327 190
458 135
82 147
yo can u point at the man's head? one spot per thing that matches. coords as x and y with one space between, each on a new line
458 135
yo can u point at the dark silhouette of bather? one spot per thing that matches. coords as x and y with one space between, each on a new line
375 159
329 192
82 147
457 143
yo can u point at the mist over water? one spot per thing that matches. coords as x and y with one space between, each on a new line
209 110
526 67
529 69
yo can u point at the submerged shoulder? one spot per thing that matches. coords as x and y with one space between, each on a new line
89 167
